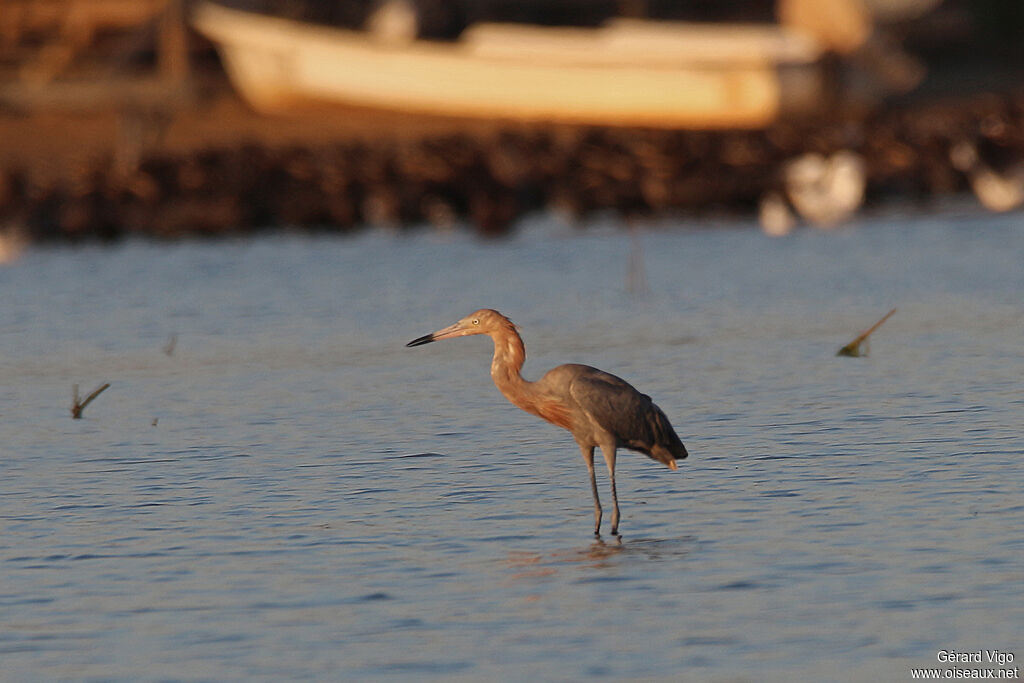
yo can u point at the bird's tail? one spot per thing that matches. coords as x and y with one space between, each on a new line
667 446
667 457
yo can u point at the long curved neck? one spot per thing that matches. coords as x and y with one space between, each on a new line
509 356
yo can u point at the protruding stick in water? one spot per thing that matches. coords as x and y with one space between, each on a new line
79 405
853 348
172 342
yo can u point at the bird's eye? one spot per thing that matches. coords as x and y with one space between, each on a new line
476 321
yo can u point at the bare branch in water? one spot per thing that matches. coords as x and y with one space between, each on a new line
172 342
79 405
636 274
853 348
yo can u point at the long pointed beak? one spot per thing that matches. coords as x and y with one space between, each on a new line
420 341
455 330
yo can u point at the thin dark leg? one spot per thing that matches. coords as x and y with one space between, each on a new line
609 458
615 507
588 457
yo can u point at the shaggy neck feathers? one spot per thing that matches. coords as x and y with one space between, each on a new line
507 364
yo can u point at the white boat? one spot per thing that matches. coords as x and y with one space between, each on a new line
627 72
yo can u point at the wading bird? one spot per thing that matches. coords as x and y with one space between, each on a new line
599 409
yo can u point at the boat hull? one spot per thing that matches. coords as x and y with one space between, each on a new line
280 66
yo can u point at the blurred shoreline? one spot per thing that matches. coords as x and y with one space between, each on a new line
178 154
223 170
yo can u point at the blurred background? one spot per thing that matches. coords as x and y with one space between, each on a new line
274 488
170 118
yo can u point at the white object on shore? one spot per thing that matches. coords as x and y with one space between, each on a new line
628 72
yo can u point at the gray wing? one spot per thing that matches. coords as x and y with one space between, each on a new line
634 420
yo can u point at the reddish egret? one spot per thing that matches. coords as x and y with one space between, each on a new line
599 409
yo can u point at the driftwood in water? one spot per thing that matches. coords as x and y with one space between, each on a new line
636 274
172 343
79 405
853 348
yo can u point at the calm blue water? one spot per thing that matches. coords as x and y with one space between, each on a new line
317 502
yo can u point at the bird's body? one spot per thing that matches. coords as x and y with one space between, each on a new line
598 408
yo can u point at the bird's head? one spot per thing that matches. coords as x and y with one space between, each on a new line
484 321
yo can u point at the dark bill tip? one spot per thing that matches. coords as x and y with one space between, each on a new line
420 341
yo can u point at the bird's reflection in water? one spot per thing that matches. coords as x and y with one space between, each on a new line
600 554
